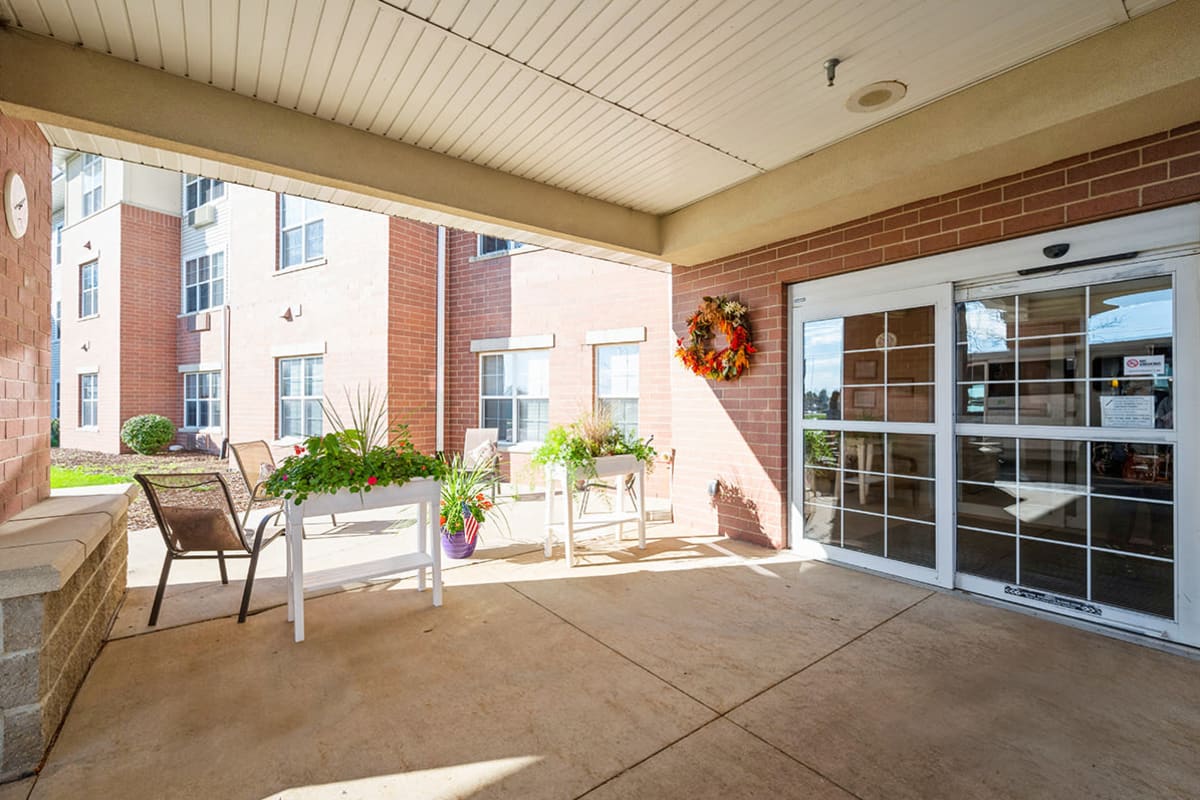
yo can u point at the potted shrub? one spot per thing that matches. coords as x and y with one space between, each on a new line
465 506
354 458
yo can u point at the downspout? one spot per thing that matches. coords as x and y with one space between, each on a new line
440 383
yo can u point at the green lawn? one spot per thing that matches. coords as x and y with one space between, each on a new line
66 477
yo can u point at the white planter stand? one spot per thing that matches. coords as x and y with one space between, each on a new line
424 493
606 467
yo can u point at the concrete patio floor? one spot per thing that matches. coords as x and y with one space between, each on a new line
696 668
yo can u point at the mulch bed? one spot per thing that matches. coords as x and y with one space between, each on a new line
127 464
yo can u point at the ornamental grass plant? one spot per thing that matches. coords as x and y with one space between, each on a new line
594 435
360 453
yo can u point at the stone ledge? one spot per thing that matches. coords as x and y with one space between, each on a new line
43 545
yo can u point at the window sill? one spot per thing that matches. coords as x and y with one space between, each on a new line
518 447
88 428
209 310
198 430
501 253
320 262
89 316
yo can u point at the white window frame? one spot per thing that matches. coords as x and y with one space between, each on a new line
58 231
630 429
89 296
89 402
302 398
485 245
212 280
516 434
207 190
314 214
202 392
91 183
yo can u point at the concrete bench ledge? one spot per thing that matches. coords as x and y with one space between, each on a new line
43 546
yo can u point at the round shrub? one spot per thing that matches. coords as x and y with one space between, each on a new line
148 433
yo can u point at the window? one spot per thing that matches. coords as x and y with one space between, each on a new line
58 228
515 394
92 181
198 191
89 400
300 390
203 282
490 245
56 411
617 385
302 231
56 322
89 289
201 399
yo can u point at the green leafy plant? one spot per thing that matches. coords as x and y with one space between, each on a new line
594 435
54 427
358 458
818 448
463 485
147 433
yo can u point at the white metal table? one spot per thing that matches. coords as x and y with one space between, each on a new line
424 493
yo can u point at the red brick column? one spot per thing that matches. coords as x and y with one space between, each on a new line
25 325
412 329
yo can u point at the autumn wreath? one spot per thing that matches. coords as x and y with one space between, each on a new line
717 315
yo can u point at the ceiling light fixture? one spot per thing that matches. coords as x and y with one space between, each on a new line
876 96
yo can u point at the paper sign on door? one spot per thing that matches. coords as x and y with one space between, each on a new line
1145 365
1127 412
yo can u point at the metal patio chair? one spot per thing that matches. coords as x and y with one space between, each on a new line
475 454
256 462
197 519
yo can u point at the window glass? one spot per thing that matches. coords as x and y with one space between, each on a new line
201 399
204 282
514 394
302 231
617 382
301 387
199 191
92 183
89 400
89 289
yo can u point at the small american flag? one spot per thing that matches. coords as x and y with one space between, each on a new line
470 524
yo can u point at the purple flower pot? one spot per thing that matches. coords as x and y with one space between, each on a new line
455 545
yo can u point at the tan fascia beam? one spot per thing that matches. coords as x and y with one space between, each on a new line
1130 81
58 84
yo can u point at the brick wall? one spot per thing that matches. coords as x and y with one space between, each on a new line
25 325
412 329
737 432
150 278
548 291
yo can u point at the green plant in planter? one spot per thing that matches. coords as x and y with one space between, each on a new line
469 487
357 456
594 435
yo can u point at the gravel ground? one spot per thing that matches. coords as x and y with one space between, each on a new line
127 464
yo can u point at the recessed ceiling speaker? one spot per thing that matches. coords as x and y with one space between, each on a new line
876 97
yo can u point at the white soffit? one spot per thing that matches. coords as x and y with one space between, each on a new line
647 104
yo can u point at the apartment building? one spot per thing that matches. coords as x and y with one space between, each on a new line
238 312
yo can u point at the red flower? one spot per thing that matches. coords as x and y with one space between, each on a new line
443 520
299 450
371 481
283 477
479 497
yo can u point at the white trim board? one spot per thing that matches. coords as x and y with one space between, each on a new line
616 335
207 366
541 341
301 349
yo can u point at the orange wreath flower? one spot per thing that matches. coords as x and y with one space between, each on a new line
717 315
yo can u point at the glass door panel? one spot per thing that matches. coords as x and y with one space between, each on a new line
1084 514
869 464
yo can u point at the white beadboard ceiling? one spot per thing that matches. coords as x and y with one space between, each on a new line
648 104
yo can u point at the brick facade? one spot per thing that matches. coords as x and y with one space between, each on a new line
412 327
743 438
25 325
547 291
149 298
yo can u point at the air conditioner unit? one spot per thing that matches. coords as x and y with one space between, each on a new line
204 215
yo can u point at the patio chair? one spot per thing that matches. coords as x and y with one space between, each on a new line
480 449
197 519
256 462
